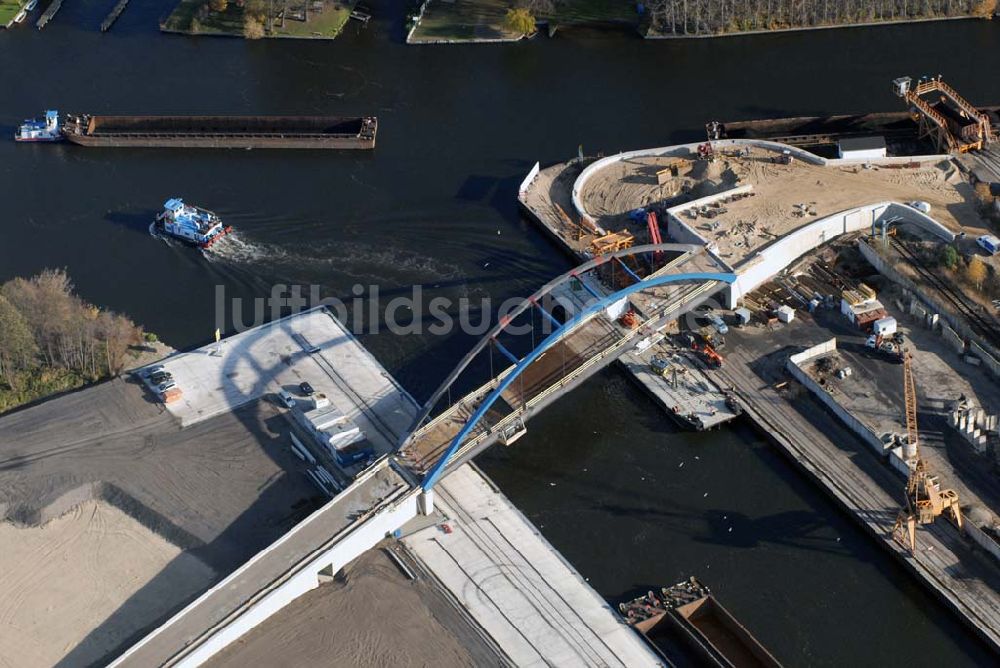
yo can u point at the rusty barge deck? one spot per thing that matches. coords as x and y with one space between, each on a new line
309 132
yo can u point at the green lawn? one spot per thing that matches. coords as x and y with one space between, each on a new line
483 19
9 9
326 19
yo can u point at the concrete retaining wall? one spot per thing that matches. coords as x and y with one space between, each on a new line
363 538
687 150
356 539
526 183
982 539
953 339
794 366
957 327
989 361
774 258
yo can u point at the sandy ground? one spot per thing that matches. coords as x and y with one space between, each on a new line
61 581
219 491
373 616
782 193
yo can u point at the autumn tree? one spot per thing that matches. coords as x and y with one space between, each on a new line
17 345
218 5
252 27
520 21
975 272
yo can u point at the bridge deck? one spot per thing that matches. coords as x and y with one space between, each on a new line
515 585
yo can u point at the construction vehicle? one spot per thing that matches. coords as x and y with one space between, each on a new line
706 151
925 500
707 353
659 365
629 319
885 345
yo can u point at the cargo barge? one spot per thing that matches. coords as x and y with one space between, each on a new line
246 132
688 611
898 128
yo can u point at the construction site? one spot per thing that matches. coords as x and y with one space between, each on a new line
860 333
257 487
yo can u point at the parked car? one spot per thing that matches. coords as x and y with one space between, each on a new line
307 389
720 325
286 399
163 387
152 370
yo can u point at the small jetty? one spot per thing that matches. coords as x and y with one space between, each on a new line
48 14
116 11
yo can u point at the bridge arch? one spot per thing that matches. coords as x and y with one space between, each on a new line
561 331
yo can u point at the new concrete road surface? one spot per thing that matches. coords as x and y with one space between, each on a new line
516 586
313 347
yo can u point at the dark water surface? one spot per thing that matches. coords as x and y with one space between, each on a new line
600 472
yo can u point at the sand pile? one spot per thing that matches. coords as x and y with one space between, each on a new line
80 585
373 617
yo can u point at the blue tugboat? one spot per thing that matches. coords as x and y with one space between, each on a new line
40 130
189 224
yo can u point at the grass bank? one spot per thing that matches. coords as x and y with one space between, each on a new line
9 9
325 19
482 20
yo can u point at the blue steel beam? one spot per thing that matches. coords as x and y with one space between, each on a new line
435 473
626 268
509 355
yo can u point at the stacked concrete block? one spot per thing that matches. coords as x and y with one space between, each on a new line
973 424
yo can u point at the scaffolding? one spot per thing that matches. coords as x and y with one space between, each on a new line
950 121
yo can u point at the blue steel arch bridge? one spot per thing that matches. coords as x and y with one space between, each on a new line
551 342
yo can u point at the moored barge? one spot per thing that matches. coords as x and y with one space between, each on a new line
309 132
689 611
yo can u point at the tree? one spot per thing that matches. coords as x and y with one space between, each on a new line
519 21
975 273
252 27
17 345
949 257
218 5
256 9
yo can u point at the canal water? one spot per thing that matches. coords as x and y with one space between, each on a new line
631 501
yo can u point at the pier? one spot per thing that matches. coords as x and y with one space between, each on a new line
116 11
48 14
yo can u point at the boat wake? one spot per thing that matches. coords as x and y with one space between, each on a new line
358 262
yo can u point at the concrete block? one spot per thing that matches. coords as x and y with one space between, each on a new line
425 502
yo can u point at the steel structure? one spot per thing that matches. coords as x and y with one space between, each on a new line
493 390
951 122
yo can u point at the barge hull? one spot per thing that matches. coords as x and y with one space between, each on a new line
282 132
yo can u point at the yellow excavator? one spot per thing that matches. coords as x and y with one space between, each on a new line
925 500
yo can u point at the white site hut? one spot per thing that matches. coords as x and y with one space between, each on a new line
861 148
